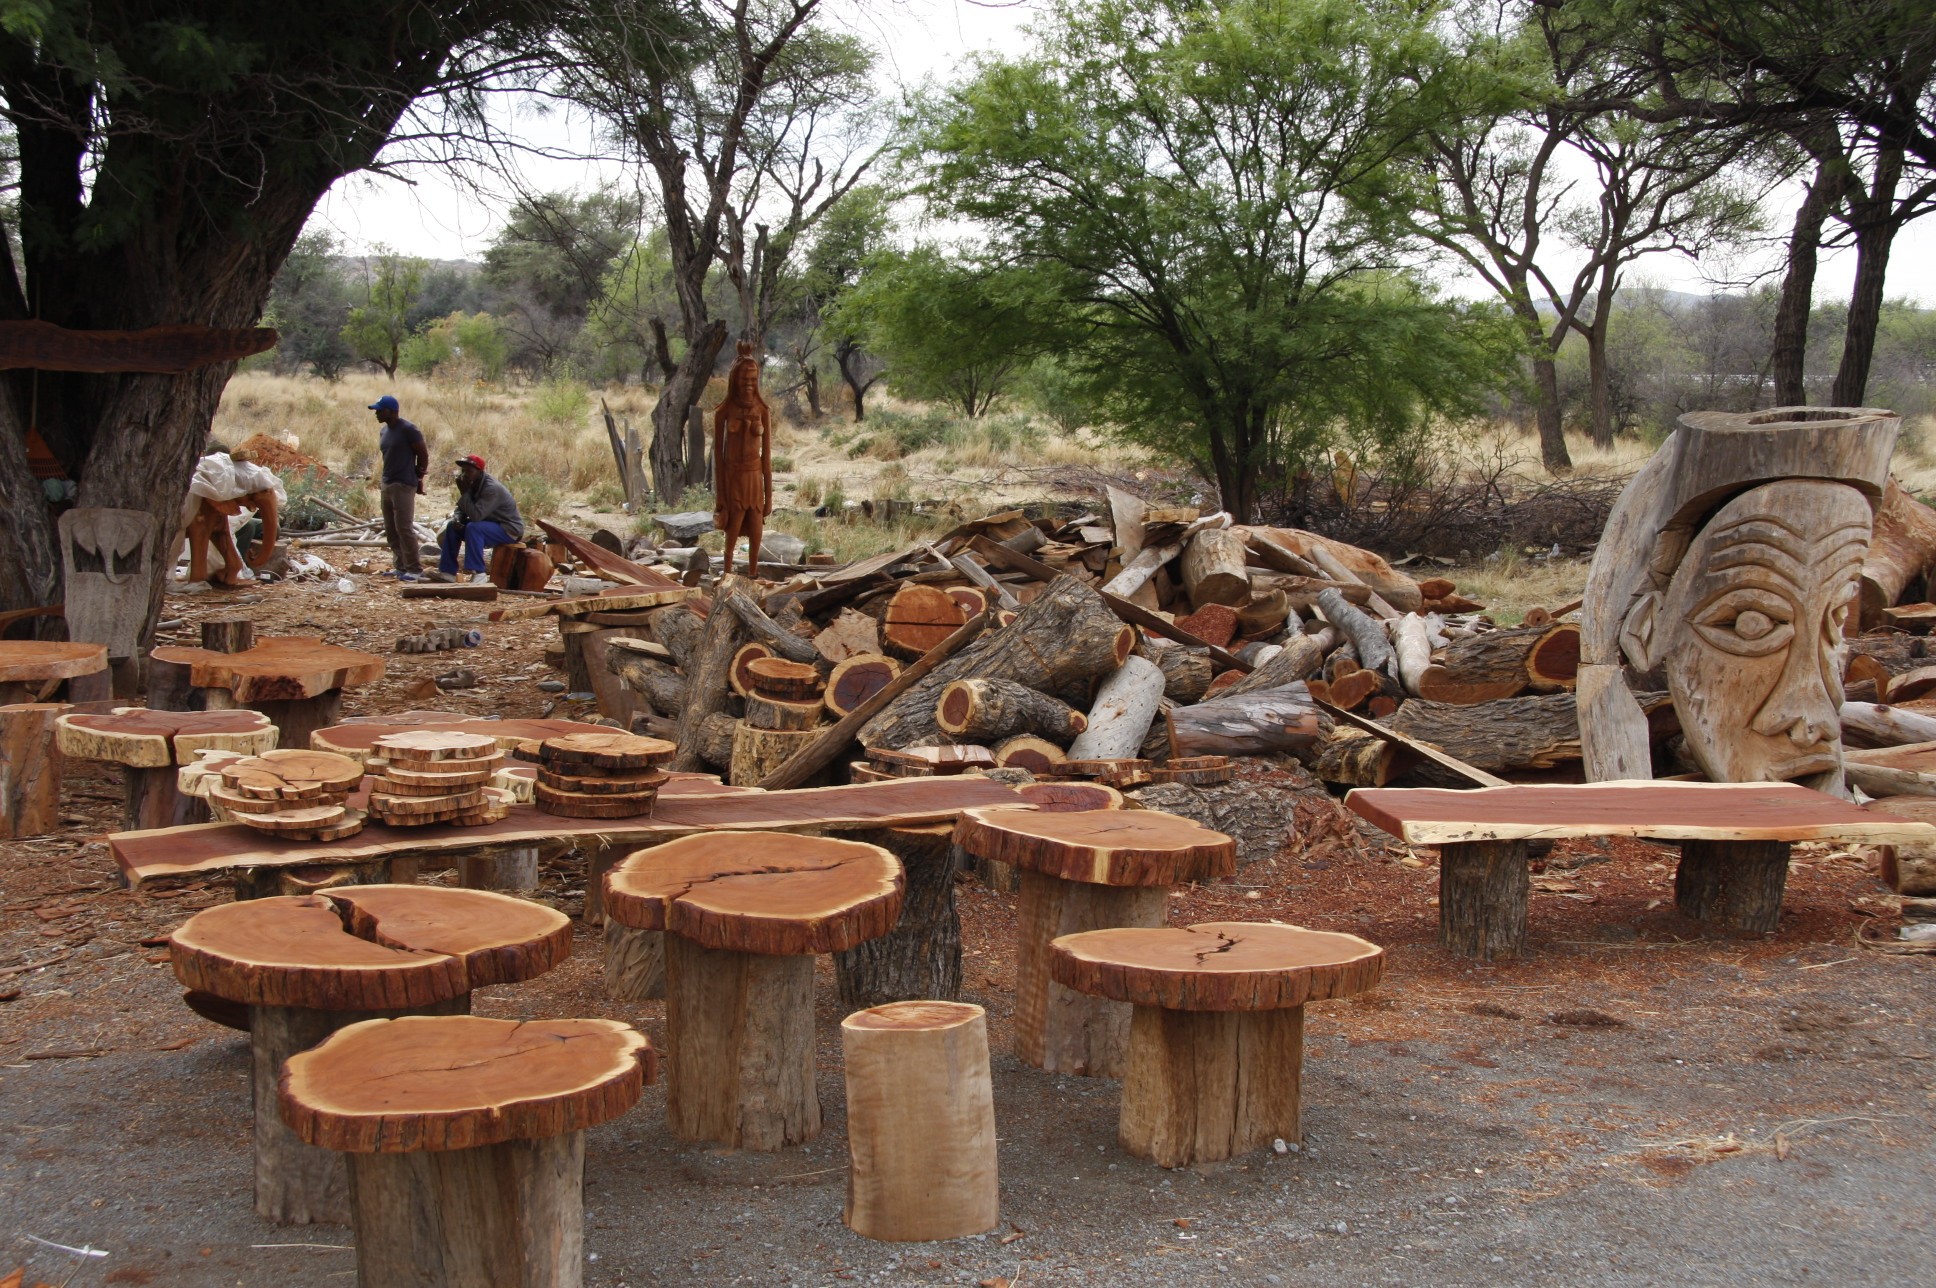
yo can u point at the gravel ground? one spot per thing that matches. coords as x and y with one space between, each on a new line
1631 1104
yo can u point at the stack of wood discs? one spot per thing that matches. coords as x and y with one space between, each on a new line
598 775
1195 771
1123 775
783 709
436 776
298 794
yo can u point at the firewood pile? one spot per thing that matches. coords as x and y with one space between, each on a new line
1150 645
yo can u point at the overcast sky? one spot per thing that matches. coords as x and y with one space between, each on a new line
438 216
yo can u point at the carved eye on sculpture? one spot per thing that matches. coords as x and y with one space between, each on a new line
1747 623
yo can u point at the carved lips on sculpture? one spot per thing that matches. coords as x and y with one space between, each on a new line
1749 631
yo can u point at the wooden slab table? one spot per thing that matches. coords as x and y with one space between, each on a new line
209 849
150 745
1734 837
30 670
295 680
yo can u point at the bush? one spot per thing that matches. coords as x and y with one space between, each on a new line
560 402
306 487
537 496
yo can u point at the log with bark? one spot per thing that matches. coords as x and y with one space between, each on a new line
921 956
1126 704
1061 641
857 678
918 618
1213 569
1505 663
1256 723
987 711
706 679
1313 555
1186 672
658 682
1535 732
1367 636
1412 649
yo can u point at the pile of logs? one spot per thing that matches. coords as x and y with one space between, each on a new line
1153 645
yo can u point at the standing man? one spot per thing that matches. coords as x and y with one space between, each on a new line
486 516
406 460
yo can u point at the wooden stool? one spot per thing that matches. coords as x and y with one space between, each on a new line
152 744
1085 871
744 914
1050 798
307 965
1216 1048
465 1139
30 671
30 769
295 680
920 1122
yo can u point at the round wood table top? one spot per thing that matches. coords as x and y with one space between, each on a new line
281 668
367 948
144 739
444 1082
1117 847
1216 966
759 892
23 661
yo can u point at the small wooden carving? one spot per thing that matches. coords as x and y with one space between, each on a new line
106 559
210 525
743 460
1730 564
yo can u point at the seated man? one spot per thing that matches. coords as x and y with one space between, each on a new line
486 516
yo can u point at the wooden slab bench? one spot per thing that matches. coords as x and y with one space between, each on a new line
465 1140
211 848
308 965
1734 837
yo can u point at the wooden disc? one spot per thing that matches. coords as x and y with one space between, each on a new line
1216 966
784 681
934 760
1070 798
429 746
143 739
1026 751
356 736
384 785
609 750
614 784
920 617
220 793
292 774
444 1082
859 771
349 825
310 817
360 948
857 679
390 806
973 599
1131 847
917 1016
24 661
587 805
1098 768
759 892
739 676
450 774
278 669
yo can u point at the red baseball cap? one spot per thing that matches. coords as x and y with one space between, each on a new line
477 461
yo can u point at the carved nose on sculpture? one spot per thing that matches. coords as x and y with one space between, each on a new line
1807 722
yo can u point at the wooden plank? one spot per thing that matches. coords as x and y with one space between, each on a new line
222 847
617 567
1664 811
167 350
1124 610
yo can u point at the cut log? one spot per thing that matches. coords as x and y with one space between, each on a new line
851 635
1437 684
1298 659
1482 899
706 679
1734 887
918 618
1125 705
1250 724
857 678
30 769
1186 672
782 641
771 713
1902 550
757 753
679 627
1056 1028
921 956
1869 724
1364 632
986 711
920 1122
715 740
1214 624
1412 649
663 688
1026 751
740 676
775 677
1213 568
1323 556
1264 615
1356 759
1543 658
1063 638
1518 733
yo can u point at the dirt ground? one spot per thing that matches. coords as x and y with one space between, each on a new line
1631 1104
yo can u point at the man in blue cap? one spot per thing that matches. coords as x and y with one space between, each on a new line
406 460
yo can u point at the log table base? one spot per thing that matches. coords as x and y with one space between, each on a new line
298 718
635 963
1056 1028
30 769
1208 1085
739 1047
150 799
1482 898
1734 887
921 956
505 867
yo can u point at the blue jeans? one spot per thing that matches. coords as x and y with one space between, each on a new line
474 536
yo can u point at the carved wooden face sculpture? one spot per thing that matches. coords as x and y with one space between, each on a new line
1749 631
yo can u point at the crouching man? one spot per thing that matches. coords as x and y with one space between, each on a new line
486 516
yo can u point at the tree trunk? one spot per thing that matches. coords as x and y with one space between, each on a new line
1875 233
1516 733
1599 376
676 398
1057 1028
1788 359
1208 1085
1732 886
921 956
1552 430
1482 898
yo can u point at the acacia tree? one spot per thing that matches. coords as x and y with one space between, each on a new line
376 329
169 156
1199 183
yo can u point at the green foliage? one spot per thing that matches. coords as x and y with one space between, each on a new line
555 249
561 402
308 307
537 496
1190 182
305 487
377 329
636 288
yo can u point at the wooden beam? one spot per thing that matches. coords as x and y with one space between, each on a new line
166 350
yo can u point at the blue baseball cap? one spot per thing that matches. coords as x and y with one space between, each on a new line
385 403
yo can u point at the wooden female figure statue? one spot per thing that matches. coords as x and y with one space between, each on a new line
1728 571
743 461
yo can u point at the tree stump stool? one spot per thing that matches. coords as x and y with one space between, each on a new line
151 745
1216 1048
1090 870
465 1141
1050 798
30 769
920 1122
307 965
30 671
744 913
295 680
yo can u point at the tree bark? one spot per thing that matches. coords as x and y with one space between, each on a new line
1516 733
1250 724
1875 222
1057 1028
1208 1085
987 711
921 956
1482 898
706 683
1787 362
1733 886
677 397
739 1036
1546 401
